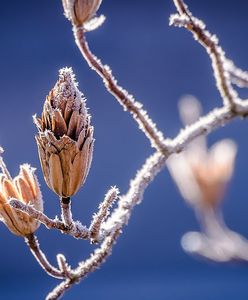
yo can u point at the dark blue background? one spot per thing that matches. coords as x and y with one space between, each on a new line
158 64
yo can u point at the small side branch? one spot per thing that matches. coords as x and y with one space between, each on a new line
34 246
103 213
123 97
237 75
77 230
64 267
91 264
36 214
210 43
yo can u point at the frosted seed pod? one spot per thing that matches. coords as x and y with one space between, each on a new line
80 12
65 138
25 188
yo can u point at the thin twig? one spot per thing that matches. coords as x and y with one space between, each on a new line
34 246
77 230
64 267
214 50
103 213
123 97
91 264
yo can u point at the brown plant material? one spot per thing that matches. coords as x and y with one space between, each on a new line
202 174
80 11
192 176
65 139
25 188
213 174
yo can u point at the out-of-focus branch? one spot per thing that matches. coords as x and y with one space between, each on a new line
237 75
210 42
123 97
217 242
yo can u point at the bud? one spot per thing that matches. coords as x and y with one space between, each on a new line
24 187
80 12
65 139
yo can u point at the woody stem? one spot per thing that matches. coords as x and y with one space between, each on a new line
66 215
34 247
125 99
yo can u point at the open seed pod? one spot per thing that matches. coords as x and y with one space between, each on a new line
25 188
65 138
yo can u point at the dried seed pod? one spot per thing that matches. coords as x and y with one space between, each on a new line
65 139
24 187
80 11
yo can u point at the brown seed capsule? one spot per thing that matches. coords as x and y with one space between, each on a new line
65 139
24 187
80 11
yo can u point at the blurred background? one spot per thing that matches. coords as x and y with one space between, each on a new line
158 64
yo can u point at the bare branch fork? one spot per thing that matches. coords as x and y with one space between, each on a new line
106 227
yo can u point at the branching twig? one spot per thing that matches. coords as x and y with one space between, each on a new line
107 229
216 118
211 44
95 261
77 230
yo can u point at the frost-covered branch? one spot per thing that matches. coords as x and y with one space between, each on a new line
65 144
77 230
210 42
100 217
86 267
34 246
122 96
237 75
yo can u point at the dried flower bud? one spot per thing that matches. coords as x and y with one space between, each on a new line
24 187
80 12
65 139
